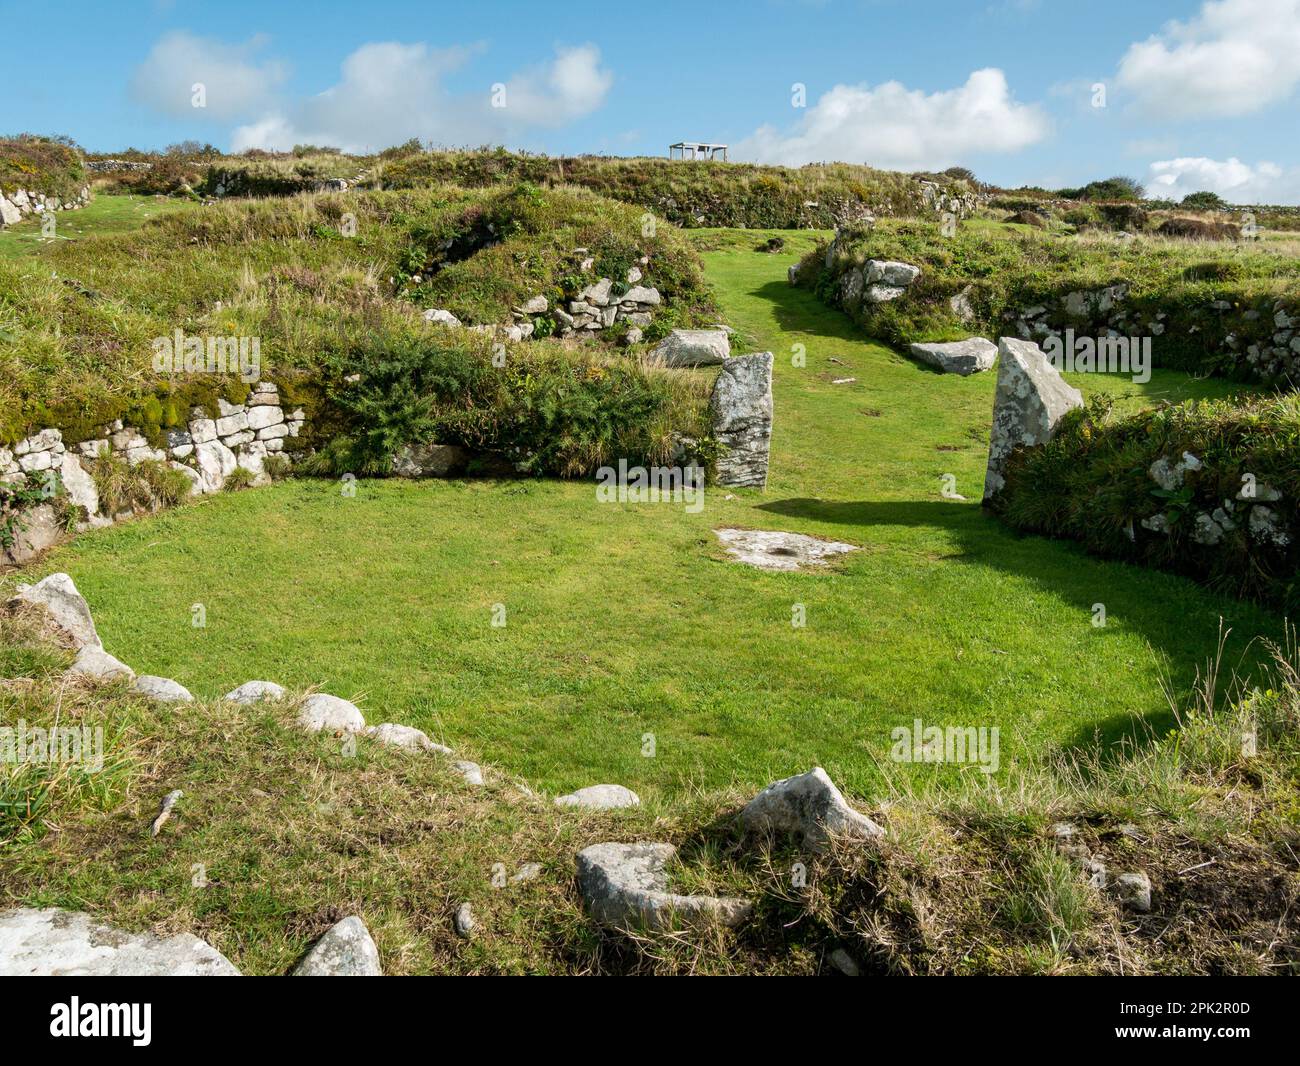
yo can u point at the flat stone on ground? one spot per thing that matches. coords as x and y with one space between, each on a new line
252 691
53 942
322 711
770 549
958 357
625 886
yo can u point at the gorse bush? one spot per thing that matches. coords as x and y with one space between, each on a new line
50 165
543 409
1228 516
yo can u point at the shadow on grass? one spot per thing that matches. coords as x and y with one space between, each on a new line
1157 605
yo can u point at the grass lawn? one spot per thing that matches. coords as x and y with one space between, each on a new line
104 214
626 620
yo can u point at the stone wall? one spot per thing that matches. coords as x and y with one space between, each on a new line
21 203
208 451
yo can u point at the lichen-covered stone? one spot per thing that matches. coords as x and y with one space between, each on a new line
741 413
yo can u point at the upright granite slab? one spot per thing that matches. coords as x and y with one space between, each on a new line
741 410
1030 399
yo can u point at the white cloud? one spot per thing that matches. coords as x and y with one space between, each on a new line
389 92
892 126
235 82
1234 57
1235 181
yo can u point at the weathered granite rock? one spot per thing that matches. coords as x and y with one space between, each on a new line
216 462
253 691
404 736
79 485
600 798
741 412
641 294
322 711
162 689
1134 891
464 921
692 347
890 272
95 663
625 886
958 357
193 476
471 773
1031 397
429 460
38 528
437 314
52 942
346 950
66 606
810 807
770 549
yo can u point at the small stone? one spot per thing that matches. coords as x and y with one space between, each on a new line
253 691
469 771
1134 891
95 663
464 921
437 314
529 871
346 950
958 357
600 798
162 689
405 737
322 711
843 962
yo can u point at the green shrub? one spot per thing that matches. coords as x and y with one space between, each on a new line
1231 520
50 165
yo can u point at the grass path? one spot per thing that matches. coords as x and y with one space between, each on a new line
625 620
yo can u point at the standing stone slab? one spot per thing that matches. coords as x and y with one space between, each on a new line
810 807
957 357
346 950
1030 399
53 942
59 596
741 410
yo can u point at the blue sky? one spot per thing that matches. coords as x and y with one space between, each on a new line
1197 94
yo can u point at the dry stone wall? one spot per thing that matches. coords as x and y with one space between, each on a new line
23 203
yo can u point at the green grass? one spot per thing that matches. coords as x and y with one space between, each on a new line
103 216
623 620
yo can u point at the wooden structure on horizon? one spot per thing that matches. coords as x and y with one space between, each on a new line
697 150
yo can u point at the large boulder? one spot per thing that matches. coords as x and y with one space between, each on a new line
692 347
346 950
890 272
59 943
625 886
810 807
1031 397
958 357
741 411
66 606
